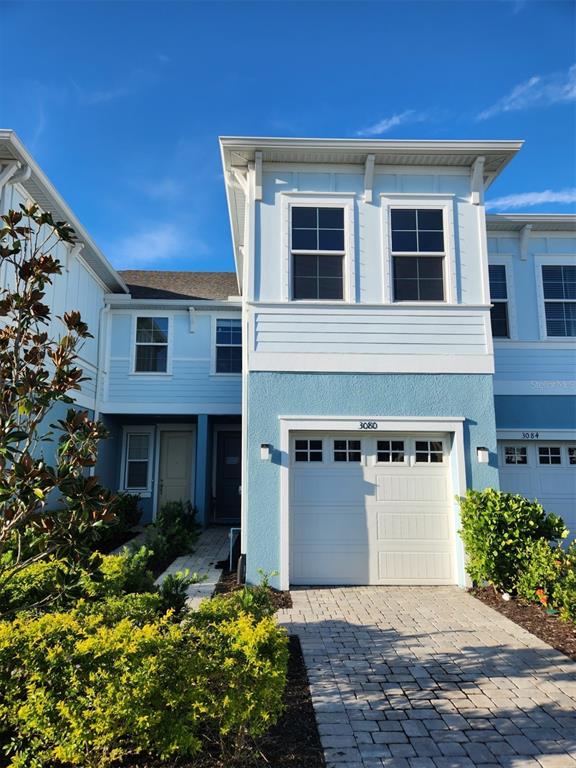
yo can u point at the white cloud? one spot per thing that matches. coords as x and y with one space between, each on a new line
529 199
387 123
152 247
165 189
538 91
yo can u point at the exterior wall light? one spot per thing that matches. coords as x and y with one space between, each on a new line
482 455
265 451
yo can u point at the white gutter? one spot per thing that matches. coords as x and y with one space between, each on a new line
8 173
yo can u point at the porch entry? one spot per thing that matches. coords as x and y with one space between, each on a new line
228 476
176 467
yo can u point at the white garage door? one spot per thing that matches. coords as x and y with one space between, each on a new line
543 470
371 509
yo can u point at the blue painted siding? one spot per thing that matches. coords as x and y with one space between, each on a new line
271 395
535 412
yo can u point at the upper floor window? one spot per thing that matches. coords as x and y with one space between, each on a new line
317 247
151 345
418 253
228 346
559 284
499 299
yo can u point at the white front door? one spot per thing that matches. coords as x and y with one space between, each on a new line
372 509
176 467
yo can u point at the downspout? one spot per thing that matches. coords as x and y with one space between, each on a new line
100 354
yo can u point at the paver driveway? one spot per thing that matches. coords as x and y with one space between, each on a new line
428 677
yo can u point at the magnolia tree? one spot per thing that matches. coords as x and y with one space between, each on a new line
45 509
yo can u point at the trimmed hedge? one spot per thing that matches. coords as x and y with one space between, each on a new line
87 687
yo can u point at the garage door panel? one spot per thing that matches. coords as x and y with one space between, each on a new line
349 566
330 486
415 568
345 525
421 487
552 481
427 527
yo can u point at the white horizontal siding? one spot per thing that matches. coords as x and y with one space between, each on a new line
532 370
284 337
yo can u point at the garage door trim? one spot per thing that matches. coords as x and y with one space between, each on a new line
357 425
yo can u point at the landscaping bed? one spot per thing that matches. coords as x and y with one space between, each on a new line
228 583
561 635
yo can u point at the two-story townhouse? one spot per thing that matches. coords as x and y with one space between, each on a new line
532 270
368 398
86 278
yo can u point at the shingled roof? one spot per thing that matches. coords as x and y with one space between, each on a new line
157 284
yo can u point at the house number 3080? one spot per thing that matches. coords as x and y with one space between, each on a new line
368 425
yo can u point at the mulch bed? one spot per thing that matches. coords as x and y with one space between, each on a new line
227 583
533 617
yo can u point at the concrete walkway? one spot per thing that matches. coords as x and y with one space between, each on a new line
212 547
429 677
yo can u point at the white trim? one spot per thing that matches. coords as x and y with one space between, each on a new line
445 202
452 425
136 429
345 200
169 346
501 261
543 434
213 332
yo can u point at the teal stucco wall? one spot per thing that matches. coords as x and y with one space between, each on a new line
271 395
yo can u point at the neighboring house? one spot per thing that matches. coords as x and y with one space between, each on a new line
343 376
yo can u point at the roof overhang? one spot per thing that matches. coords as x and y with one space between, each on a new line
239 152
42 191
538 222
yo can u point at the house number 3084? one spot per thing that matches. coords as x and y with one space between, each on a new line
368 425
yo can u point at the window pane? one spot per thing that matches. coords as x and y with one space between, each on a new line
431 290
405 267
305 217
228 359
431 267
305 288
330 266
340 445
152 329
330 288
301 445
137 474
404 241
430 219
138 446
403 218
331 240
304 240
306 266
151 359
571 455
499 320
331 218
315 445
406 290
429 242
497 273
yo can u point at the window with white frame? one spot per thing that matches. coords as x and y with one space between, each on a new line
308 450
559 286
317 252
572 455
347 450
390 451
499 299
515 454
429 452
418 253
228 345
549 454
151 345
137 461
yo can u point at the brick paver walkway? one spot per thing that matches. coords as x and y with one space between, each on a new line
428 677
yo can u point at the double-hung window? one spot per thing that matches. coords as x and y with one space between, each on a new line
317 252
499 299
228 346
151 345
559 285
137 461
418 253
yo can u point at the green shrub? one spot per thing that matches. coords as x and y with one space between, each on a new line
564 592
540 570
173 590
38 584
496 530
141 608
178 524
158 544
87 689
118 574
127 510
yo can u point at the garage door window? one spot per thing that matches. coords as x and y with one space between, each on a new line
572 455
347 450
549 454
429 452
390 451
515 454
308 450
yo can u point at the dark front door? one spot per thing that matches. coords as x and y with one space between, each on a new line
228 477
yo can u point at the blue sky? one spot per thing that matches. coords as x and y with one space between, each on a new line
121 103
